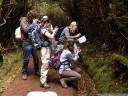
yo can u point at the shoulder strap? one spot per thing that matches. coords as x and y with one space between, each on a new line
65 62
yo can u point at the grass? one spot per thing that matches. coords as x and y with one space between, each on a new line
10 68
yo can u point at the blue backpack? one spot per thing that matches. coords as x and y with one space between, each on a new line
58 33
35 36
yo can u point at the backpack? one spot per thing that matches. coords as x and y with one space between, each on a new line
54 61
18 33
58 33
35 36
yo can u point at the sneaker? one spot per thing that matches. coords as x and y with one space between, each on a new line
37 73
63 83
24 76
45 85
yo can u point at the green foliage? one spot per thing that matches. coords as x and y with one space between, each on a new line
121 87
107 79
11 11
122 59
104 46
10 66
93 67
100 72
104 83
9 69
1 2
55 13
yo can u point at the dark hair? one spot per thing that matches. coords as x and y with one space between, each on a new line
69 45
31 15
43 21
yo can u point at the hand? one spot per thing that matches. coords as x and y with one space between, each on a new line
55 29
34 21
77 51
78 35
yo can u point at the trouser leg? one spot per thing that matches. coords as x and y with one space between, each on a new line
45 55
35 58
71 75
26 54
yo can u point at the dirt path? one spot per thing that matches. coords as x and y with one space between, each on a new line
21 87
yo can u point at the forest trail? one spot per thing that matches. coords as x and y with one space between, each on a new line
21 87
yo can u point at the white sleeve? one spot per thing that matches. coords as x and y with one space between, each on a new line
75 57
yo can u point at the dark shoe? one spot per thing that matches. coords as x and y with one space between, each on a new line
45 85
24 76
73 84
37 73
63 83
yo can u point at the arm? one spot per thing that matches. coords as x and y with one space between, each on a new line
24 24
47 34
67 34
72 58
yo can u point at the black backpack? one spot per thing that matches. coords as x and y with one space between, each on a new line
58 33
36 38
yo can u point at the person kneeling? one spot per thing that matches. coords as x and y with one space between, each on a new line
68 72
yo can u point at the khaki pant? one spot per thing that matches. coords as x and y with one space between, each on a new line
45 55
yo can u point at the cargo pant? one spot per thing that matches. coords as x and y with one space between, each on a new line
45 55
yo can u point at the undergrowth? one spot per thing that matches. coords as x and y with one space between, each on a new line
9 68
101 66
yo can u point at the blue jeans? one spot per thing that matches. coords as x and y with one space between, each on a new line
27 50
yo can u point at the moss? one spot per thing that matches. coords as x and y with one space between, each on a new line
100 70
122 59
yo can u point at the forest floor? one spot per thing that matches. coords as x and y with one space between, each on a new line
19 87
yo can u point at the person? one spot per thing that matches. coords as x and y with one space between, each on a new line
68 34
27 47
50 28
45 51
67 71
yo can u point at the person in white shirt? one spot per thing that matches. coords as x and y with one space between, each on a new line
67 71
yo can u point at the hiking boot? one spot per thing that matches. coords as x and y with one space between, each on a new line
45 85
24 76
37 73
63 83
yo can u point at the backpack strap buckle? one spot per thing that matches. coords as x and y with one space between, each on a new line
65 62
